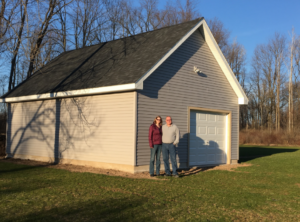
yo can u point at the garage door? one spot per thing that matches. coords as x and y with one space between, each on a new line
207 138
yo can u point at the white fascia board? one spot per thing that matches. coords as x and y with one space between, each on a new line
216 51
72 93
242 101
167 55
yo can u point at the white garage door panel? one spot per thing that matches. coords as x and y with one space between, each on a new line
207 138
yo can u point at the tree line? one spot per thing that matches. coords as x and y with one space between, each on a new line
33 32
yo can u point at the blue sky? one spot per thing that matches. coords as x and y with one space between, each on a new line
253 22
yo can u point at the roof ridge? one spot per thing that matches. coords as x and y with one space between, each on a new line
200 18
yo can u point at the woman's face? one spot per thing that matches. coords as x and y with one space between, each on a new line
158 120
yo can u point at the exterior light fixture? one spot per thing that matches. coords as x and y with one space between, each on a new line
197 70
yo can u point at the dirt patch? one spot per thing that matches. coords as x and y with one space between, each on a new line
195 170
76 168
110 172
231 167
298 184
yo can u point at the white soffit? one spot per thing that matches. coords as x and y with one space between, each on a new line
72 93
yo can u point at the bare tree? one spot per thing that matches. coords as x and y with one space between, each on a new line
220 33
277 48
62 14
268 79
113 11
128 19
291 100
149 15
84 17
296 85
235 54
23 13
51 7
178 13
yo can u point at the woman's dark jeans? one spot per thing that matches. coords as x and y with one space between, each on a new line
156 150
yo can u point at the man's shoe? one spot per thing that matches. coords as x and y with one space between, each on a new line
151 175
176 176
167 175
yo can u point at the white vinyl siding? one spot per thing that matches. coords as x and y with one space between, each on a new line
93 128
174 87
31 128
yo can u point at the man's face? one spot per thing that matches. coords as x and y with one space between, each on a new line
168 120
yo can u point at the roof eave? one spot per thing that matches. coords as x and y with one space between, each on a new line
73 93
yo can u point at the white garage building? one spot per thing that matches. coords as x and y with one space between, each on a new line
93 106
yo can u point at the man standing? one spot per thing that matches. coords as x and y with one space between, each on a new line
170 139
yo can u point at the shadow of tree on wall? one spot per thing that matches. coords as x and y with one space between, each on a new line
87 74
198 146
54 127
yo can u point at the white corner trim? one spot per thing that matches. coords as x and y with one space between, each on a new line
216 51
242 101
176 46
72 93
134 127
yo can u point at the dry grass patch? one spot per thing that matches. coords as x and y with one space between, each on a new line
266 137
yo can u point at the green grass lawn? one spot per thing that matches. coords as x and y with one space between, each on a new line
269 190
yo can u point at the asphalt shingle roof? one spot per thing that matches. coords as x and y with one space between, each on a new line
116 62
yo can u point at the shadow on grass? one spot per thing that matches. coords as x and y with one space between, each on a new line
113 209
11 187
250 153
22 167
193 171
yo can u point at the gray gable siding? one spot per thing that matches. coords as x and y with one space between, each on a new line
174 87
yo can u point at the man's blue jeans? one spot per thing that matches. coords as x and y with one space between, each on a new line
169 149
156 150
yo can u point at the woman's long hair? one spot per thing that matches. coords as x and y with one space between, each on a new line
161 121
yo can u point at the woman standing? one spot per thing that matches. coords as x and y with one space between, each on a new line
155 141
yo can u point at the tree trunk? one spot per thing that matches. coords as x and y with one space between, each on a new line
291 113
44 27
11 84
